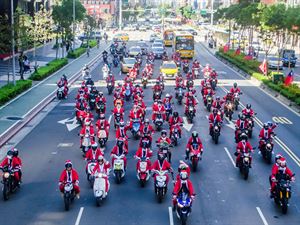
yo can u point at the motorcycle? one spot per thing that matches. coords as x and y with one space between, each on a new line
144 81
179 95
209 101
165 148
195 156
190 113
283 192
99 188
92 101
86 74
244 164
116 62
136 124
9 183
128 93
183 207
160 186
240 133
267 150
118 167
158 121
90 167
175 135
186 67
100 106
86 144
143 173
117 119
157 95
250 125
69 195
213 83
228 110
102 138
216 132
110 87
105 59
169 110
60 94
237 100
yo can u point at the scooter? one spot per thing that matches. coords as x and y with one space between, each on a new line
118 168
90 167
143 173
99 187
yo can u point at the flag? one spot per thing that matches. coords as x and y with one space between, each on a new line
289 78
226 48
237 51
263 67
248 57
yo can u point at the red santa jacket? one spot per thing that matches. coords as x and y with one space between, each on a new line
115 150
118 110
104 168
93 155
213 119
147 152
178 186
147 129
102 124
265 134
135 114
69 176
284 170
241 124
166 139
190 142
159 108
244 147
11 163
101 99
121 132
235 90
174 120
248 112
165 165
84 130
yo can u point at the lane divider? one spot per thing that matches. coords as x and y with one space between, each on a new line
230 157
171 216
262 216
293 156
79 216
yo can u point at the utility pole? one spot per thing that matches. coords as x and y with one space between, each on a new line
120 15
212 13
73 25
13 41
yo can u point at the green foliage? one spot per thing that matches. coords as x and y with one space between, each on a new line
291 92
49 69
76 53
9 91
5 35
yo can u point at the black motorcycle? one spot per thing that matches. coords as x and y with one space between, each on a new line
267 150
9 183
179 95
69 195
190 113
92 100
215 132
244 164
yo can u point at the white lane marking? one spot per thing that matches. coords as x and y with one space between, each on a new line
230 157
186 124
262 216
65 145
292 110
171 216
109 119
70 126
293 156
79 216
281 119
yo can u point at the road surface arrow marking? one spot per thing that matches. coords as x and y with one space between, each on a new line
70 123
186 124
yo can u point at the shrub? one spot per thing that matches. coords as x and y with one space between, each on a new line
49 69
9 91
76 53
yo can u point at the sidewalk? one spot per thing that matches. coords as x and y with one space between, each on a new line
44 54
22 106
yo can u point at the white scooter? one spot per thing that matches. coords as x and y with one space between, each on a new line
100 187
90 167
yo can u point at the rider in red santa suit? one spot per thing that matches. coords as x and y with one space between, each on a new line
118 109
121 133
196 64
163 138
103 124
194 139
135 113
12 163
280 169
103 166
266 133
235 89
119 149
111 79
190 99
207 91
138 89
179 81
243 146
157 87
248 112
167 99
240 125
183 185
63 82
87 129
144 151
87 114
207 69
69 175
101 98
213 118
175 121
161 164
92 154
147 130
218 103
158 108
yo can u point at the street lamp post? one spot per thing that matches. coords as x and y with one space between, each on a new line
13 40
212 13
120 14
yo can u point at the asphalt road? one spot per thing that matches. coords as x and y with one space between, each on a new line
223 197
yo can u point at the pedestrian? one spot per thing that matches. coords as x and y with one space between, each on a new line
88 51
21 63
68 46
215 42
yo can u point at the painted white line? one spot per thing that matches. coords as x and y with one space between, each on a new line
293 156
262 216
79 216
292 110
230 157
109 119
171 216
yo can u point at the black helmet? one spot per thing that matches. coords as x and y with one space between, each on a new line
175 114
15 152
266 126
163 132
195 134
242 117
248 106
244 136
234 85
68 164
10 154
120 143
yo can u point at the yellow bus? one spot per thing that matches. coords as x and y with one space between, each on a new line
184 44
168 37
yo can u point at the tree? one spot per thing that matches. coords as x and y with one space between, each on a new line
90 24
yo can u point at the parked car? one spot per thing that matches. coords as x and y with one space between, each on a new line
274 63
